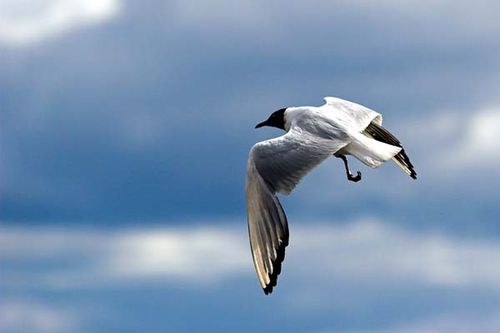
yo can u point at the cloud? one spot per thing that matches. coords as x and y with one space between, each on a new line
101 258
476 142
27 315
394 279
364 250
28 21
454 140
457 323
455 147
108 125
380 252
282 14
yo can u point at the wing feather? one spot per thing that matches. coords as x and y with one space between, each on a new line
277 165
381 134
352 115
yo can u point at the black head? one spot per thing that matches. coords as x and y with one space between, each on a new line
276 119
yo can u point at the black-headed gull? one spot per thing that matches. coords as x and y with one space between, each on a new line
337 128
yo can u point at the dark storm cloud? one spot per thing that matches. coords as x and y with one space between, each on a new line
150 115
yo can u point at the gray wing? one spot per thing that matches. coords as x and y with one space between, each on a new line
277 165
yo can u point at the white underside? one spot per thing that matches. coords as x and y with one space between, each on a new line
369 151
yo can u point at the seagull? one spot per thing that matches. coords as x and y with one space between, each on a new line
338 128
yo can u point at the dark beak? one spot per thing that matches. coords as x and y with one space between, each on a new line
259 125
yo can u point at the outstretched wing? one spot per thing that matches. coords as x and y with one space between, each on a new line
277 165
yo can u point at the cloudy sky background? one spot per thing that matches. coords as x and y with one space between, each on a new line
124 132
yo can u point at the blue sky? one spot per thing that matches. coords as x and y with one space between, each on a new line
124 132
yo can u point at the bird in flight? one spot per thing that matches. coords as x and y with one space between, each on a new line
338 128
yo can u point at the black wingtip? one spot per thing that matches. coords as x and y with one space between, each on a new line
405 160
381 134
277 268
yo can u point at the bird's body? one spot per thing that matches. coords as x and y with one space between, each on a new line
341 120
338 128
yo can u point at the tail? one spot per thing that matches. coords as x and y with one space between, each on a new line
369 151
380 134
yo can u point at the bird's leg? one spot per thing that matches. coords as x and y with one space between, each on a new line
350 177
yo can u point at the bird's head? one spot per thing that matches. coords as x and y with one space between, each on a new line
276 119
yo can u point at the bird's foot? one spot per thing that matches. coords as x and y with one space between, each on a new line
350 177
356 178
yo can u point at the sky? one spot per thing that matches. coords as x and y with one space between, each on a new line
124 132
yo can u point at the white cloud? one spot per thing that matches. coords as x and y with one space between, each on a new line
476 141
27 21
322 260
362 250
21 315
200 255
424 21
453 322
203 254
450 144
378 252
456 323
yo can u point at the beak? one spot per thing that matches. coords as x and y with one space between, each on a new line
259 125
